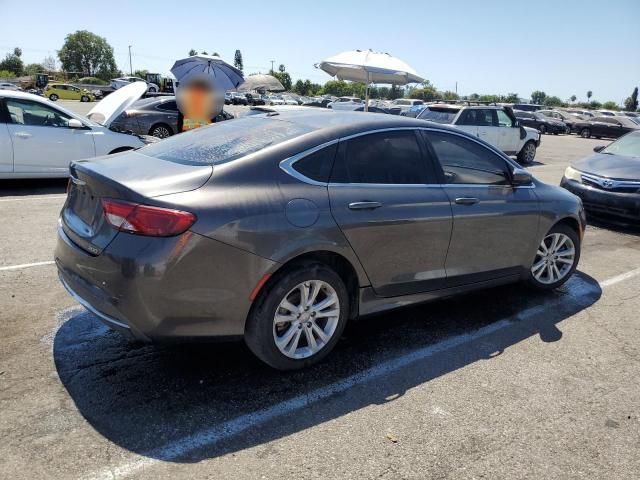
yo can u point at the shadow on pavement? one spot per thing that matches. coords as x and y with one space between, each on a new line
40 186
144 397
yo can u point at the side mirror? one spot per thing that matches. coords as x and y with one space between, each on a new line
75 123
598 148
521 177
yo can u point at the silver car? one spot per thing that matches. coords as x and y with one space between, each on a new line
283 226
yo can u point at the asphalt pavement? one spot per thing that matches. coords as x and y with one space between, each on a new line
504 383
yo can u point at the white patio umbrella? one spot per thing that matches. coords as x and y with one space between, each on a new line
369 67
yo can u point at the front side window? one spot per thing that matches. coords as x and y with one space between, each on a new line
503 119
392 157
35 114
464 161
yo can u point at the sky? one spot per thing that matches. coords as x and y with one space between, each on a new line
563 47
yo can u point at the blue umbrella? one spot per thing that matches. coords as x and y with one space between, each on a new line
219 72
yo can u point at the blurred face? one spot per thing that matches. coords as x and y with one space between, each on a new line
198 99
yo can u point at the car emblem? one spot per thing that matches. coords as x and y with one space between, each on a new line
608 183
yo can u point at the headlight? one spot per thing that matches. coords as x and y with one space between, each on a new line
573 174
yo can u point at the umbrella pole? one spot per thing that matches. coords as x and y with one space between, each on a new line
366 95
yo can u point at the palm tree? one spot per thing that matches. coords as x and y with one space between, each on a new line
589 94
573 98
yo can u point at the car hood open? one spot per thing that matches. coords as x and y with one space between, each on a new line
611 166
110 108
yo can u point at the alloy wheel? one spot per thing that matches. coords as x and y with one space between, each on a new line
306 319
529 152
554 259
161 132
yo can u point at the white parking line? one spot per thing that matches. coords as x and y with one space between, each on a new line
207 437
620 278
22 199
26 265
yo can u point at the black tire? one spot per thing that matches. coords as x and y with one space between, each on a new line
84 98
259 330
525 156
585 133
53 97
161 130
152 90
542 129
573 235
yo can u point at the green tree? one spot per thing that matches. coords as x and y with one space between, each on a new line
299 87
17 52
553 101
192 52
449 95
33 68
204 52
511 98
631 103
12 63
427 92
237 60
284 78
573 98
89 54
141 73
538 97
282 68
215 54
6 74
610 105
589 95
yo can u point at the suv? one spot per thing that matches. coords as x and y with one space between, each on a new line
495 124
254 99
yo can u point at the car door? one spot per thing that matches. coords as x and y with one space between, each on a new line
42 140
495 226
386 199
6 146
509 135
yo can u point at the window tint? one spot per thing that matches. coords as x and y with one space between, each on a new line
479 117
385 158
225 141
439 115
465 161
317 166
169 106
25 112
503 119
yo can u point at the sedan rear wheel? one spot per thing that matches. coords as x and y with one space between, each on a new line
585 133
556 258
84 98
53 97
160 131
299 318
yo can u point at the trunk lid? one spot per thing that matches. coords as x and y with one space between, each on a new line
128 176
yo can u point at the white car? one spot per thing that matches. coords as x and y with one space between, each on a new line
289 100
495 124
403 105
346 103
117 83
39 138
9 86
273 100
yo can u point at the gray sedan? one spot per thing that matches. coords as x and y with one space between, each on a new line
281 227
157 116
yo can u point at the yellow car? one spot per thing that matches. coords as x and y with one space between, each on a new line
65 91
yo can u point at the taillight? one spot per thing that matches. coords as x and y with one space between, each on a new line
146 220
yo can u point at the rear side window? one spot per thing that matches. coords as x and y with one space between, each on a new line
392 157
170 106
464 161
225 141
317 165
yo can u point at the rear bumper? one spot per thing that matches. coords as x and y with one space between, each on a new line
158 288
601 203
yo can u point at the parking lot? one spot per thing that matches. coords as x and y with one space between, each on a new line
505 383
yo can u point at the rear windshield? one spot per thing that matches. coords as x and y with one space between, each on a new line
225 141
439 115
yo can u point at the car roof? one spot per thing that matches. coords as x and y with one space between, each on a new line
18 94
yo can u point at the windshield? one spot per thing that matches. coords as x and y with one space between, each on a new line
224 142
438 115
627 146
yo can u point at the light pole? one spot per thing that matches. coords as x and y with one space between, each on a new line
272 65
130 64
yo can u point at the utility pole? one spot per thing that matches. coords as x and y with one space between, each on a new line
272 65
456 87
130 64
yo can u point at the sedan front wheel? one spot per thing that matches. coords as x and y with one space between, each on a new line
556 258
299 318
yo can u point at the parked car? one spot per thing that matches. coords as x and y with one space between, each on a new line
9 86
39 138
227 98
606 113
527 107
156 116
289 100
372 110
569 119
254 99
629 114
172 241
403 105
273 100
582 113
117 83
64 91
609 127
345 103
494 124
238 98
608 182
541 122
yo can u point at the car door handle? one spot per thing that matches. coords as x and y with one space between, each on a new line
364 205
23 135
467 201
